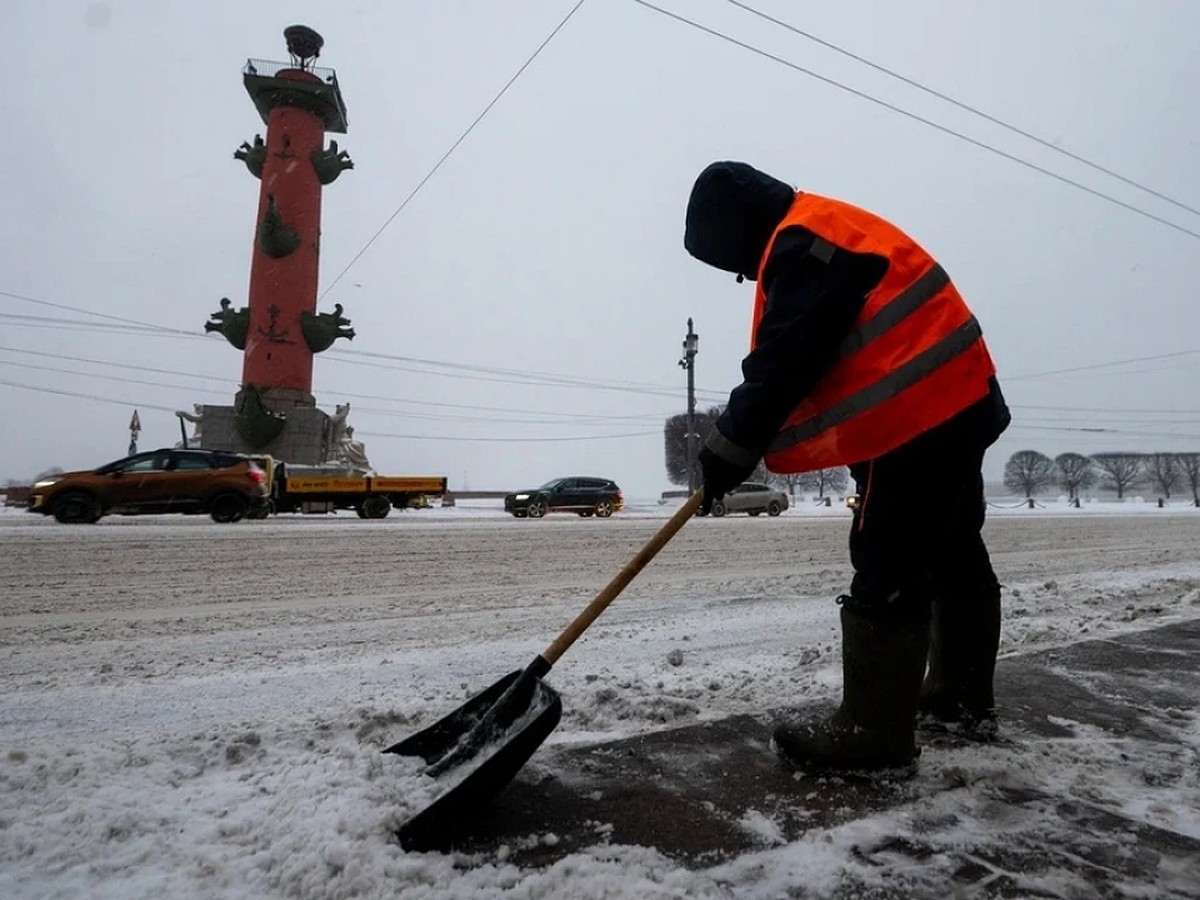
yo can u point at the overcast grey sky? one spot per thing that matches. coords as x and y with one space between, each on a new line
550 242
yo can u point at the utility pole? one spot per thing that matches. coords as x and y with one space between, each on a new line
691 346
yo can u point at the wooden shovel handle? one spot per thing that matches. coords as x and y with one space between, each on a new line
626 575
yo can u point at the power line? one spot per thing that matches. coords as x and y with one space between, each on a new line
502 440
414 437
581 418
964 106
93 313
13 321
499 375
475 372
543 377
98 399
98 375
507 420
354 357
560 418
59 322
571 419
102 362
911 115
1097 421
1093 367
496 409
1106 432
1106 409
97 328
445 156
514 379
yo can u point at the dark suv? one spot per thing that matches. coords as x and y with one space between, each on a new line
224 485
586 496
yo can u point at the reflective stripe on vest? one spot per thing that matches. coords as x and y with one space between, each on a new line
907 375
906 303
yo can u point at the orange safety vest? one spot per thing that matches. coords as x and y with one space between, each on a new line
914 358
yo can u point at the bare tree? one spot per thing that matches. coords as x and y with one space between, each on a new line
1163 471
788 481
1121 471
1074 471
675 437
1189 468
1028 471
823 480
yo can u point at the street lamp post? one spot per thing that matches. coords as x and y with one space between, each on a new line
691 346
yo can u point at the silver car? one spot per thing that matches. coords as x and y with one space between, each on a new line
753 498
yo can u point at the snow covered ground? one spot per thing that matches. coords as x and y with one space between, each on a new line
196 710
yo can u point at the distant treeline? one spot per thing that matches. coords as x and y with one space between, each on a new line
1030 473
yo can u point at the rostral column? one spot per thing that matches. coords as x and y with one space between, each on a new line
280 330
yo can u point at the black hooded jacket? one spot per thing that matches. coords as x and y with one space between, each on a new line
811 304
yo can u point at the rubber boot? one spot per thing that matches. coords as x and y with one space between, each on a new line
883 661
958 688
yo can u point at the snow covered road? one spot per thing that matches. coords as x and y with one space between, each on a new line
193 709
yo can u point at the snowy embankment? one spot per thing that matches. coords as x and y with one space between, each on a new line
197 710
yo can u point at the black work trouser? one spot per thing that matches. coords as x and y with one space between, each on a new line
916 531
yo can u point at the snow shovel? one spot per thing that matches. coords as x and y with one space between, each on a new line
486 740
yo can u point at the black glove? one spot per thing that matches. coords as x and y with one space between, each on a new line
720 477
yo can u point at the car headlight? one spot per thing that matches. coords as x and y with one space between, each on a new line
521 497
45 484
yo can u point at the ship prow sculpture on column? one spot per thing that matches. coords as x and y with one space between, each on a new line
280 330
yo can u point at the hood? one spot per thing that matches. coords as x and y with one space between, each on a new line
732 213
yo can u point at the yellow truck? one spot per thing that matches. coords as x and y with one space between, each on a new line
371 496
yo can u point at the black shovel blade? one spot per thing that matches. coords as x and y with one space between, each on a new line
451 813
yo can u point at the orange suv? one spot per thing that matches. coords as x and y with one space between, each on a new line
224 485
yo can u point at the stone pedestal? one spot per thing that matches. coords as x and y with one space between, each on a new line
304 439
283 399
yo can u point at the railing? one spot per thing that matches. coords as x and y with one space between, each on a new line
269 69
